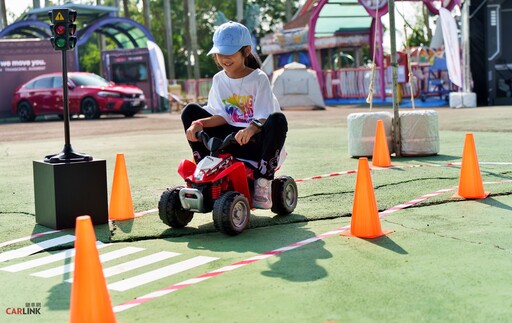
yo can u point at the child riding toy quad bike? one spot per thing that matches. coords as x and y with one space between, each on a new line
220 184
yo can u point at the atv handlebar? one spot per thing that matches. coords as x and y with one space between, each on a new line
214 144
203 136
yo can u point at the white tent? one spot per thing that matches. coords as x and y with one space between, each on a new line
295 86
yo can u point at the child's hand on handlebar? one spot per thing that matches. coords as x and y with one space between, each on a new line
244 136
192 131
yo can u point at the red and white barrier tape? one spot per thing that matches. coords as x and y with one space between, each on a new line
203 277
169 289
142 213
347 172
354 171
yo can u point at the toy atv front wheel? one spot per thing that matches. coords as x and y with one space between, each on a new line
231 213
284 195
170 209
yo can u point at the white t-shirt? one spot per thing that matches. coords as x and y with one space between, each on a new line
239 101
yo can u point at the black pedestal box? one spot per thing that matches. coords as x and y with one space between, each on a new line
64 191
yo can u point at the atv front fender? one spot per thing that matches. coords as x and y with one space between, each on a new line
186 168
238 177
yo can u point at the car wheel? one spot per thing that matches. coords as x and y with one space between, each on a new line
90 108
25 112
129 114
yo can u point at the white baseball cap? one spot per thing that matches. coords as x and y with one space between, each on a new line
229 38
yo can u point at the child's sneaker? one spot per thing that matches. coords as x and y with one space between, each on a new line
262 198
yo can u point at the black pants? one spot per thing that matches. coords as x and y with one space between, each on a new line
264 148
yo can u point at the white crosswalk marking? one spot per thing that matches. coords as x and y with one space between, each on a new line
137 263
160 273
47 260
29 250
66 256
103 258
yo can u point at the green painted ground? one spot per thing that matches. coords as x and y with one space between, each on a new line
447 261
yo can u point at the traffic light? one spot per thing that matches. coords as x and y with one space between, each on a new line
63 28
71 29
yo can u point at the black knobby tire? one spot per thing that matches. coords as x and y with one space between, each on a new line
231 213
170 210
25 112
284 195
90 108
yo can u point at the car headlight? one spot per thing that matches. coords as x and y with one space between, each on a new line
107 94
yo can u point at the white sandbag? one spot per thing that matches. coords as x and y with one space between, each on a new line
419 133
361 132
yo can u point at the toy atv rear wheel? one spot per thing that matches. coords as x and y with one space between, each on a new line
284 195
231 213
170 209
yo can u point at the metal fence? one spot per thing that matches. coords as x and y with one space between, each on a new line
345 83
352 83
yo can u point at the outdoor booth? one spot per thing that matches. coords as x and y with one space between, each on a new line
127 35
24 59
329 36
491 51
135 67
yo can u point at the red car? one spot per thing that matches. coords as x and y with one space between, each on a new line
88 94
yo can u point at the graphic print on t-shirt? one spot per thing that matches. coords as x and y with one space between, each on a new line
239 107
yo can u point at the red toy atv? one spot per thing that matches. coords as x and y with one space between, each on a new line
220 184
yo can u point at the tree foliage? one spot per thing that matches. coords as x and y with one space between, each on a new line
89 56
420 33
272 14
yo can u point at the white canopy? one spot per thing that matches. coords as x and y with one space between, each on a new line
295 86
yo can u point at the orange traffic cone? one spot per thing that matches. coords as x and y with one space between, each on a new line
90 301
121 206
470 181
365 221
380 156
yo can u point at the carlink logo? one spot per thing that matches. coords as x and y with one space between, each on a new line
29 309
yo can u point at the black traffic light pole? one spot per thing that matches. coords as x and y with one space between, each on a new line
67 140
67 155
